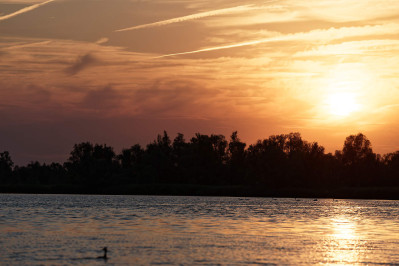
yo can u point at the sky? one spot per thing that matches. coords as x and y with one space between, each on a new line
120 72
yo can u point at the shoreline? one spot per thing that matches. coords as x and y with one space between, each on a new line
386 193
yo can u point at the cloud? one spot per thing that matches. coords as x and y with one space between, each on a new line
314 35
172 98
347 10
102 40
30 44
352 48
229 10
105 99
219 47
24 10
82 63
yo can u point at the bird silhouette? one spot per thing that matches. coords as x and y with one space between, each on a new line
105 254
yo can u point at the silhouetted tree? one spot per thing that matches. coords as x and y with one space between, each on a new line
158 165
359 160
131 161
92 164
40 174
58 173
236 160
357 148
268 162
181 159
6 167
287 160
391 173
284 160
293 144
208 158
131 157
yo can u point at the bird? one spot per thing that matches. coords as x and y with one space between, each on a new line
105 254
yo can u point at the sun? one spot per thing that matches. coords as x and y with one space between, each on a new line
342 104
343 91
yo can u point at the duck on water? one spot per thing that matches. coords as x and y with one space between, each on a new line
105 254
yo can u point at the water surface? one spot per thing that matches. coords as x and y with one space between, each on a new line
165 230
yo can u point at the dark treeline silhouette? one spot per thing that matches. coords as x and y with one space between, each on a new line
280 161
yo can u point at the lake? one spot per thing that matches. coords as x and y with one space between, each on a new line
168 230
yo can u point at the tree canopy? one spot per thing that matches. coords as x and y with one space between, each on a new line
285 160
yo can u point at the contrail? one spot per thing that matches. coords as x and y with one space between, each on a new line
193 16
24 10
329 34
223 47
27 45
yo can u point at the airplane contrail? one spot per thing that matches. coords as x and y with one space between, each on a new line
222 47
193 16
27 45
329 34
24 10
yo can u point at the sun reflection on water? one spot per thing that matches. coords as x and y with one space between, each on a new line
343 228
343 245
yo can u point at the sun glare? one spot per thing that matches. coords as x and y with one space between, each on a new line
342 104
344 90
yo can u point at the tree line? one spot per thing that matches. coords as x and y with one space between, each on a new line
279 161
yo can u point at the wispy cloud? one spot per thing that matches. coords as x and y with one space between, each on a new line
229 10
24 10
352 48
82 63
105 99
220 47
314 35
31 44
102 40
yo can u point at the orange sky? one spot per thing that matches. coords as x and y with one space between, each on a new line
121 71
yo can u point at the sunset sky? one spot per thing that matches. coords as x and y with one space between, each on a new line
121 71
